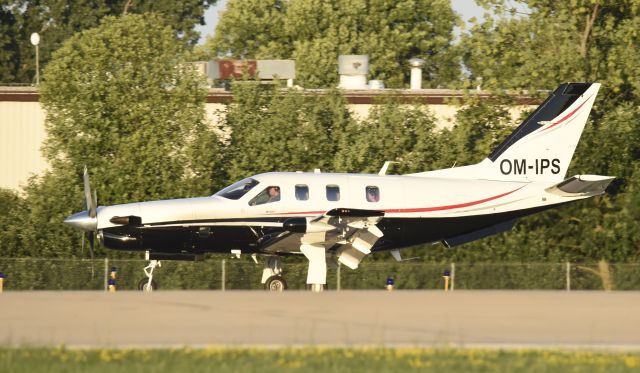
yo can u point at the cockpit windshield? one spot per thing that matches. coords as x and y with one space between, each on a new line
237 190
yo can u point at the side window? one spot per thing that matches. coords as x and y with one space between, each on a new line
268 195
373 193
302 192
333 193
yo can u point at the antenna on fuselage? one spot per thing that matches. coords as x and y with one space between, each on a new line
385 167
396 255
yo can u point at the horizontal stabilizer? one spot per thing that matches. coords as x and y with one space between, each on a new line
481 233
581 185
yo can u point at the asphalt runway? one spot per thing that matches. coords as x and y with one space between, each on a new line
503 319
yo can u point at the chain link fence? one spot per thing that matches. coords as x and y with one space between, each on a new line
244 274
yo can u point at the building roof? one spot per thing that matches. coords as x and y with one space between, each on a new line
364 96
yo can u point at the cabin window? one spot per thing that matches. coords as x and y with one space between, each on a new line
302 192
268 195
333 193
238 189
372 193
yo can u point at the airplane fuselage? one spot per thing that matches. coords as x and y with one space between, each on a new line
416 210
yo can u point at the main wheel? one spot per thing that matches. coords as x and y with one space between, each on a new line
275 283
144 284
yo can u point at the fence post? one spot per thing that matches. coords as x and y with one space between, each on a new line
338 277
106 274
453 276
568 276
224 262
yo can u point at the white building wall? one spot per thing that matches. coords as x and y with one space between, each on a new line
21 136
444 114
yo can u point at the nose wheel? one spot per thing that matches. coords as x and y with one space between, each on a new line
148 284
145 285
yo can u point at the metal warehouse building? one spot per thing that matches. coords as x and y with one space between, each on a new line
22 120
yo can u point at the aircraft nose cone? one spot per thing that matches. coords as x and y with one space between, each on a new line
82 220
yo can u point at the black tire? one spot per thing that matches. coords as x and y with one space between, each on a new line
275 283
143 284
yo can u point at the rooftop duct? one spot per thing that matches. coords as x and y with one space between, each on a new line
353 71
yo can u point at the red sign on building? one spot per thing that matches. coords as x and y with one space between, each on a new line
236 68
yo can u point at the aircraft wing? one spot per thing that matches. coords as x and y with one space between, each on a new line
353 231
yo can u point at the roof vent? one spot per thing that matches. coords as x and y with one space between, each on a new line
416 72
353 71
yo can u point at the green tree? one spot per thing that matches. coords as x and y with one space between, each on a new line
480 125
314 33
119 100
58 20
11 209
251 29
281 130
582 40
8 44
392 131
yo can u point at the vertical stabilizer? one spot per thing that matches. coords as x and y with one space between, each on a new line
541 148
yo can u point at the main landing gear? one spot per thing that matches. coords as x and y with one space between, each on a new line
148 284
317 271
316 276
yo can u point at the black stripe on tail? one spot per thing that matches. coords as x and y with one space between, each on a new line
565 95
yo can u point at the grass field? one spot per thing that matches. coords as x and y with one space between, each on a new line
312 359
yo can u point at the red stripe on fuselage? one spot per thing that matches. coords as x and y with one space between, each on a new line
567 116
451 207
419 209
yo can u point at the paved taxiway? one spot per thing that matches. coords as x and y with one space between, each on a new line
400 318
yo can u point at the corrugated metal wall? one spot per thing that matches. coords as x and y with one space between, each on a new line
22 124
21 136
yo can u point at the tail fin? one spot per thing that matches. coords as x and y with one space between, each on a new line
541 148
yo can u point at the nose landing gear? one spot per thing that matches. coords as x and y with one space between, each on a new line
148 284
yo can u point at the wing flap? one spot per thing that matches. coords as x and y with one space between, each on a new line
355 230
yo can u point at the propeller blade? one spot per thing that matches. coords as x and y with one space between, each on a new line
88 198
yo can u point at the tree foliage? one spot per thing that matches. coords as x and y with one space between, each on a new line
393 131
119 100
281 130
315 33
581 40
129 110
58 20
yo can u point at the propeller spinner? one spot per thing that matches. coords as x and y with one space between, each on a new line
85 220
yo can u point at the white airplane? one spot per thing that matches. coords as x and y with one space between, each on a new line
345 217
